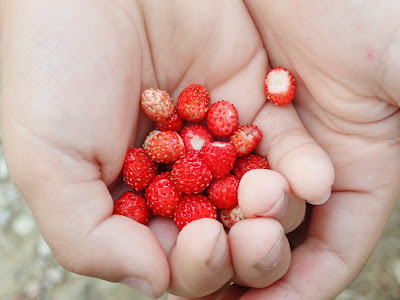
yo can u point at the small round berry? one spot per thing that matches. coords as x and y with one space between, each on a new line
193 103
222 118
132 205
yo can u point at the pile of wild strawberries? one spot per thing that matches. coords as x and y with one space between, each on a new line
190 166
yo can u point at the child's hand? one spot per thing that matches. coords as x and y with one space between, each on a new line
346 58
72 73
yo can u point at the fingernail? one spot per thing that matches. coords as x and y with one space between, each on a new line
139 284
220 251
279 208
323 199
272 259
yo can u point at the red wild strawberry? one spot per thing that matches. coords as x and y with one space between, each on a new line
280 86
222 118
162 196
219 157
190 174
157 104
231 216
173 123
164 146
223 192
193 103
247 163
195 136
245 139
132 205
192 208
138 169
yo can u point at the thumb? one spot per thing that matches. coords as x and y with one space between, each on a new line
73 209
292 152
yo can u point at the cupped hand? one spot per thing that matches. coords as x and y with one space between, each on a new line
72 74
344 55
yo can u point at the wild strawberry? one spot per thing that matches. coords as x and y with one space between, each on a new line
219 157
138 169
193 207
280 86
222 118
157 104
195 136
223 192
173 123
231 216
193 103
190 174
164 146
245 139
132 205
162 196
247 163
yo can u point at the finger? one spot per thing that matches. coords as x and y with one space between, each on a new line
295 214
260 252
337 247
166 232
292 152
200 261
265 193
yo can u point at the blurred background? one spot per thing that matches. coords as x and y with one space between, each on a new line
28 271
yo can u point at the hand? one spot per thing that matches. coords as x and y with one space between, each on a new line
72 74
345 59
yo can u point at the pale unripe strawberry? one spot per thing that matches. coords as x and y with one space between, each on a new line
229 217
157 104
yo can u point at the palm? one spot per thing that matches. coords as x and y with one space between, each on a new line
220 56
226 49
170 60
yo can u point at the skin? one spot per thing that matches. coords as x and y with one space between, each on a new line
70 88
